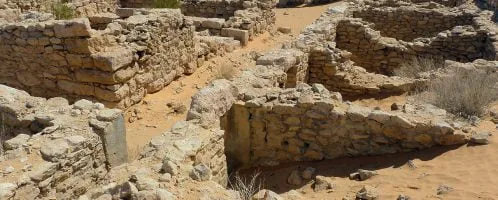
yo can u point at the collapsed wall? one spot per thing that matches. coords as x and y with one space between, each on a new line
52 149
132 56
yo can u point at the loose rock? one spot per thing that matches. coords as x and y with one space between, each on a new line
367 193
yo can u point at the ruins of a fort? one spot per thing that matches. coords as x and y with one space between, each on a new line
65 85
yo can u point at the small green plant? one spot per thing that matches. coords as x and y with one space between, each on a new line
166 3
62 10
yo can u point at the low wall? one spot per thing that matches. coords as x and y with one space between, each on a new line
213 9
61 155
117 66
408 23
382 54
306 124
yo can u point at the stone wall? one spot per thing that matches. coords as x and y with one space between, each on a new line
51 149
118 65
213 9
408 23
334 69
305 124
82 8
450 3
382 54
248 20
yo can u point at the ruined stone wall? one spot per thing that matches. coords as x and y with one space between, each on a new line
51 149
213 9
408 23
306 124
252 18
82 8
450 3
382 54
334 69
118 66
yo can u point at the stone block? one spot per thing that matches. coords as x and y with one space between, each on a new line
112 60
238 34
72 28
213 23
111 129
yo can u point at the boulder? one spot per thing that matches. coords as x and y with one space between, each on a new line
7 190
443 189
480 138
285 30
54 150
16 142
43 171
294 178
266 195
362 175
322 183
367 193
201 172
308 172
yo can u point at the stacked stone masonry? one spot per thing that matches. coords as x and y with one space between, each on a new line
59 150
303 125
465 36
117 66
81 8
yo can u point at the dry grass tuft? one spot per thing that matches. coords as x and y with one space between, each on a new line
246 187
416 65
465 94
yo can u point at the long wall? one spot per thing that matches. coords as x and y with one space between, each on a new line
82 8
118 66
304 125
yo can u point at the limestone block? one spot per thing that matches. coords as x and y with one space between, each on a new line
112 60
238 34
112 131
72 28
213 23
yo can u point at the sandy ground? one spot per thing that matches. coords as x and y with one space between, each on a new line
156 117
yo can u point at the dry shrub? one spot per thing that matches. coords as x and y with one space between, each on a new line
225 71
166 3
416 65
245 187
62 10
465 94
